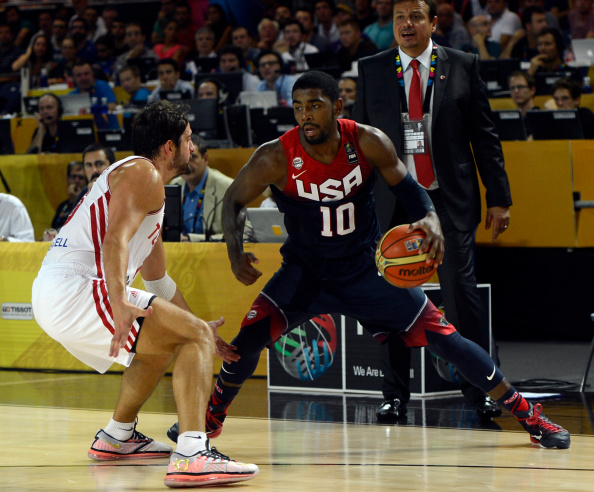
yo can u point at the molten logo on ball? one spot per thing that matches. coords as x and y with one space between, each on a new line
307 352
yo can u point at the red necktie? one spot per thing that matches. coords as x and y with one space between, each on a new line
423 165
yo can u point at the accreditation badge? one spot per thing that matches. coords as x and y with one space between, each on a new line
415 134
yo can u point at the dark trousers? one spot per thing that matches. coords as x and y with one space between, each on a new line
462 302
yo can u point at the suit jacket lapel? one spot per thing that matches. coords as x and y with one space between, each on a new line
442 71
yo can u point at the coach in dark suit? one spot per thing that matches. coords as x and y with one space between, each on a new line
460 139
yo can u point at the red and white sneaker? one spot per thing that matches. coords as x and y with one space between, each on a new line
542 431
106 447
207 467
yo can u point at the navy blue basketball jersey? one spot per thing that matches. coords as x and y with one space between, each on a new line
329 208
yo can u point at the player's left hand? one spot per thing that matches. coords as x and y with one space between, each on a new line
499 217
123 317
433 244
224 350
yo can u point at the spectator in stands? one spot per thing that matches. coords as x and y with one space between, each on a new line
138 53
118 33
44 22
270 66
59 32
45 137
282 14
9 52
567 94
131 82
80 6
327 29
217 21
38 59
382 31
15 224
522 88
205 43
296 47
343 12
268 31
168 72
105 57
552 20
479 28
96 159
364 14
63 69
186 30
231 60
241 38
22 29
504 22
96 24
352 45
449 33
347 87
86 83
109 15
581 19
310 35
550 54
170 47
523 43
76 180
165 14
203 189
85 49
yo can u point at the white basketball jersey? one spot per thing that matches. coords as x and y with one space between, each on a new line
80 241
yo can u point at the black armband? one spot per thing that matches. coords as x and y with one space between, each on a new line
413 197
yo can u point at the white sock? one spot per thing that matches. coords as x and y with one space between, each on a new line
120 430
191 442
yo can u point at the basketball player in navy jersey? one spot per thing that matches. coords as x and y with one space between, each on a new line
321 174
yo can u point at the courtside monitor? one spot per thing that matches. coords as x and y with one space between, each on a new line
76 134
231 82
558 124
544 81
203 117
495 73
173 219
6 144
175 96
509 124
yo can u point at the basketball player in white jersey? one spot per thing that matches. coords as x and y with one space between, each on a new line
82 298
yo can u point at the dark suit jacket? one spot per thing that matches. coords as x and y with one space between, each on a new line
461 125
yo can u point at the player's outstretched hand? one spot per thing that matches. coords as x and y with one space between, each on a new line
123 317
224 350
243 269
433 244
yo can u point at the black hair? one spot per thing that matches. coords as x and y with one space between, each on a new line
233 50
530 80
430 3
96 147
291 22
529 12
168 61
156 124
263 53
557 36
200 144
571 85
318 80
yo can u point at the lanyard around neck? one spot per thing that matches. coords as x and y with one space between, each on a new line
400 75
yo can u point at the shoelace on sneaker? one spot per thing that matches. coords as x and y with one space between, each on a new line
543 422
138 437
212 453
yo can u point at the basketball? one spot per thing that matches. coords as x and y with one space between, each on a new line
307 352
398 259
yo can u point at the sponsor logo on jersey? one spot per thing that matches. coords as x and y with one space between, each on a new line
443 321
331 189
413 244
351 153
297 163
252 314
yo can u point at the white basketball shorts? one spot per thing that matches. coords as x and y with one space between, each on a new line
74 310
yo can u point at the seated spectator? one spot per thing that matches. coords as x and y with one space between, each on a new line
270 66
118 33
347 87
45 138
522 88
45 21
581 19
22 29
15 224
76 180
479 28
38 59
523 44
296 48
567 94
59 32
231 60
549 7
96 159
63 69
504 22
138 53
97 27
448 32
352 45
327 28
365 15
9 52
203 189
241 38
105 57
214 89
109 15
217 20
205 43
168 72
550 54
268 31
381 32
170 48
283 14
85 49
305 17
86 83
131 82
165 14
186 30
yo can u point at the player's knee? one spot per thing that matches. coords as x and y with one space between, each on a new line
200 333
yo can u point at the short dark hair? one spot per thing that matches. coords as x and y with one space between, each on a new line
571 85
430 3
72 165
231 49
293 22
96 147
168 61
155 125
83 21
529 12
526 76
132 68
200 144
263 53
557 36
318 80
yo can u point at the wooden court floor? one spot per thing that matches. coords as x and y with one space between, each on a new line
47 422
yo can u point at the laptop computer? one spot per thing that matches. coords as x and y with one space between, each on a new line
257 99
76 134
31 104
509 124
73 103
558 124
116 140
583 51
268 225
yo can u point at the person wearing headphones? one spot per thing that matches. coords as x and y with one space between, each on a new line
270 66
45 137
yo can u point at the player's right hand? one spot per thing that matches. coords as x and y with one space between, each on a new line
123 317
243 269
